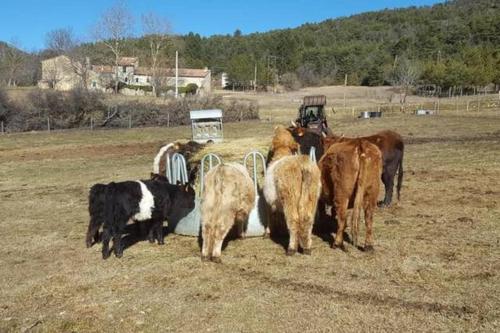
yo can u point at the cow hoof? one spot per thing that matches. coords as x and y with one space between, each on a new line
290 252
88 244
342 247
307 252
217 260
105 255
205 258
368 248
161 242
383 204
266 235
119 254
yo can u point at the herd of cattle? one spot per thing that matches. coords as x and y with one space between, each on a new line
295 189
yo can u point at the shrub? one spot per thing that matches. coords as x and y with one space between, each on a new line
191 89
139 87
65 109
175 112
290 81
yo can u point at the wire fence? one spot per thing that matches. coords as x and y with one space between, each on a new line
466 105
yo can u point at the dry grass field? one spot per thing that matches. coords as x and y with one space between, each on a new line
436 265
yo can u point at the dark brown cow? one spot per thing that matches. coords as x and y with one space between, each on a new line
389 142
350 175
392 147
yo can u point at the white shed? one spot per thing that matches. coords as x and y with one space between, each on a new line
206 125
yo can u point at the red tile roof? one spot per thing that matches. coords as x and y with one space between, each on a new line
127 61
102 69
185 72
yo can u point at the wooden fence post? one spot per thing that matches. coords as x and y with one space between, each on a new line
353 111
48 124
168 119
467 105
2 128
91 124
129 121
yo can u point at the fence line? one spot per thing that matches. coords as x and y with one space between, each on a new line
457 105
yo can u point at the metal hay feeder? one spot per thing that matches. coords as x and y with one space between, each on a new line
189 223
206 125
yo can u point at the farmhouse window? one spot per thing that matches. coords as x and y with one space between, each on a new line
136 80
124 69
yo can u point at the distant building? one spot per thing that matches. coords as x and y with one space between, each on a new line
224 80
60 73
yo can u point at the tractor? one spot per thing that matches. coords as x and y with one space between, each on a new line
312 115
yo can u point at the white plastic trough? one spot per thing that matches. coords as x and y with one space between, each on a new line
189 223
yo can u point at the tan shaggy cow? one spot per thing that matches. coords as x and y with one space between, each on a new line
228 197
350 175
292 185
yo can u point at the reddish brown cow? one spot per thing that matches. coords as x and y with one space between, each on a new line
350 173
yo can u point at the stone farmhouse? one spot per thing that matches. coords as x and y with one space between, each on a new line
61 73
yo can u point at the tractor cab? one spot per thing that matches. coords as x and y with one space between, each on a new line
312 115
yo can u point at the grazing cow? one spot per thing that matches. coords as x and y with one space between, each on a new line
228 197
392 148
350 173
186 149
96 213
307 138
283 144
292 186
115 204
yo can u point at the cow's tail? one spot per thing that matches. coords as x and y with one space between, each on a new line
218 188
156 162
358 199
308 198
400 175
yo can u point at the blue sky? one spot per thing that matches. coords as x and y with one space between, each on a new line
28 21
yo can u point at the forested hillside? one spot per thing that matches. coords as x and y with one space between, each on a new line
455 43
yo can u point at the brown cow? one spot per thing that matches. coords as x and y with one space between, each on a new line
283 144
228 197
350 173
392 148
187 150
292 185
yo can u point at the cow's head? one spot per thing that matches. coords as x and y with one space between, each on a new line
184 197
329 140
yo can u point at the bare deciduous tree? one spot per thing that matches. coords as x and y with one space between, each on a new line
112 28
12 62
404 75
157 30
63 42
60 41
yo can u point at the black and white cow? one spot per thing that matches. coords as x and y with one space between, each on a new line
115 204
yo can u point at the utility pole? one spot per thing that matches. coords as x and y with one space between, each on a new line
176 74
255 79
345 85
